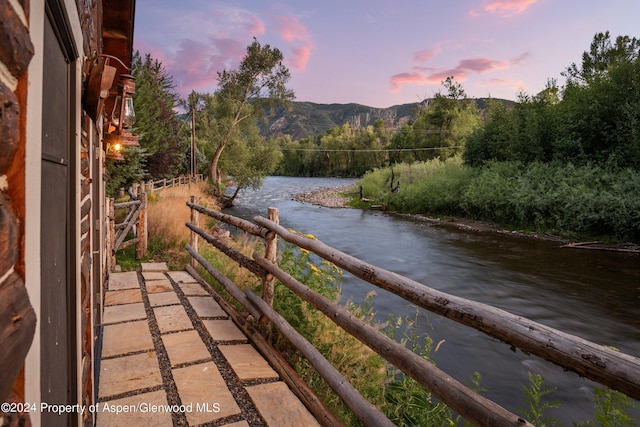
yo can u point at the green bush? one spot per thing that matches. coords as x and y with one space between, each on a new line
585 201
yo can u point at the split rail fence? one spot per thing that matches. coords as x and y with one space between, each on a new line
603 365
177 181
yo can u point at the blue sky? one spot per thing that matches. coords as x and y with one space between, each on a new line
382 52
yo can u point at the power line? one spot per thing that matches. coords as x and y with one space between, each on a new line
369 150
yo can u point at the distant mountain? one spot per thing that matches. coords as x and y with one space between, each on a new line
306 119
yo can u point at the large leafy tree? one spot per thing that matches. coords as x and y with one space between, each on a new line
258 82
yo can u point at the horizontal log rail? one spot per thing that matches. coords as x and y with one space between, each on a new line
601 364
362 409
163 183
610 368
242 224
470 405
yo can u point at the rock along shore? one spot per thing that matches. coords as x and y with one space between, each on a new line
328 197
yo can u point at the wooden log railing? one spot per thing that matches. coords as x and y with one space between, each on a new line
610 368
136 221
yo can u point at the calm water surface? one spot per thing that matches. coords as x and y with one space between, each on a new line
591 294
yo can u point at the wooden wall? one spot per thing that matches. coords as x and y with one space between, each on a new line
17 317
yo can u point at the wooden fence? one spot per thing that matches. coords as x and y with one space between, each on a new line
135 220
177 181
603 365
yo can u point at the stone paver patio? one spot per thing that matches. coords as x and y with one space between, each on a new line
172 356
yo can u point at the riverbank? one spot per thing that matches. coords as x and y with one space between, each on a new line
343 196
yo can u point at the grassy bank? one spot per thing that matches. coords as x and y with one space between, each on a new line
560 199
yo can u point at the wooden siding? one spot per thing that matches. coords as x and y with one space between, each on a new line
17 317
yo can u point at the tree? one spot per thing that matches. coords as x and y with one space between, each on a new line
603 55
258 82
161 132
159 129
441 126
250 163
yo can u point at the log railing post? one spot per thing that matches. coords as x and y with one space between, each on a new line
270 251
141 246
194 236
111 235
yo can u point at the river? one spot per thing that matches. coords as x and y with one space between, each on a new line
591 294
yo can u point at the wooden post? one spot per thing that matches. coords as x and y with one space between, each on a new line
141 246
111 235
270 251
194 236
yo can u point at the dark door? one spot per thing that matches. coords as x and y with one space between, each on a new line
58 288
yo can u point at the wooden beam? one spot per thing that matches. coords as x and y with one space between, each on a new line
473 407
601 364
361 408
242 224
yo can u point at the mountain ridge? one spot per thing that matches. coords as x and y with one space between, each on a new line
309 119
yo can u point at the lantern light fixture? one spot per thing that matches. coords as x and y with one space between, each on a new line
122 118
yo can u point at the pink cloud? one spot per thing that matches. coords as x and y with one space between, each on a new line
291 29
465 67
425 54
296 34
508 7
195 64
407 78
300 57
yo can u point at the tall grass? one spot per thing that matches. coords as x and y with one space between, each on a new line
585 201
167 213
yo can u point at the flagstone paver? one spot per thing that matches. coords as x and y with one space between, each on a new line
163 298
185 347
193 289
223 330
128 373
206 307
182 277
146 416
154 266
123 338
246 362
153 275
127 280
285 411
201 384
126 296
156 286
123 313
134 370
172 318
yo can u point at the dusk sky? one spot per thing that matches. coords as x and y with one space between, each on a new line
382 52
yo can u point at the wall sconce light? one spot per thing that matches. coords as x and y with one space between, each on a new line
99 77
122 118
